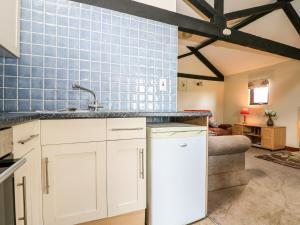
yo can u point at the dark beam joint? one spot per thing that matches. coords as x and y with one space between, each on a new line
207 63
254 10
215 16
293 16
238 26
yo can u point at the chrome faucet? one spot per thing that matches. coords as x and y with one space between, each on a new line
95 105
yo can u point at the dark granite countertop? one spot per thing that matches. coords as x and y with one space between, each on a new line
10 119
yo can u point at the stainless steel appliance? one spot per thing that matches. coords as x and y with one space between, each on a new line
8 166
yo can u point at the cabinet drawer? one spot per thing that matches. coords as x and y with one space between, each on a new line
126 128
26 137
72 131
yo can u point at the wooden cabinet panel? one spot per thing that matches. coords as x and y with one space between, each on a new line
75 183
72 131
126 128
26 137
238 129
126 176
267 137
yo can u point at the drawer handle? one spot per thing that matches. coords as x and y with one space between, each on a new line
28 139
23 185
127 129
183 145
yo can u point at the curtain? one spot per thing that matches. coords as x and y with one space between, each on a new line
258 83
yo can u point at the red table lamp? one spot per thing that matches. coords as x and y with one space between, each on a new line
245 111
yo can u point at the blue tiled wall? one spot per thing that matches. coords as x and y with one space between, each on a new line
121 57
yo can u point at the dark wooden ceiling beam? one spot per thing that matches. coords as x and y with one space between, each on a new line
293 16
262 44
199 77
238 26
219 6
207 63
254 10
184 23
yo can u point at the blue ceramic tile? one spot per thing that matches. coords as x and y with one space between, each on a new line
10 70
10 106
37 72
49 72
50 105
23 82
37 61
10 93
24 71
49 83
23 105
37 94
10 82
37 83
38 50
24 94
36 105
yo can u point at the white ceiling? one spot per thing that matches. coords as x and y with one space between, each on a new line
231 58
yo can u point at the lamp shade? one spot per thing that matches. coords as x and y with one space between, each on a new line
244 111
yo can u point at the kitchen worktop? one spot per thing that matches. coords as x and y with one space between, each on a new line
10 119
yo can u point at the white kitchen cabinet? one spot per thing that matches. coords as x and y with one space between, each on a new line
74 178
10 28
28 188
126 176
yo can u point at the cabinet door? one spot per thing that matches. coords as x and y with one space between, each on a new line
126 176
24 191
238 129
267 139
74 183
10 28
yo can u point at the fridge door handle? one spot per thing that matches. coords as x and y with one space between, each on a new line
183 145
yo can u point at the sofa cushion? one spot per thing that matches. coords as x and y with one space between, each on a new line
223 145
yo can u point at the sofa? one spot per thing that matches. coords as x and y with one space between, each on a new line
226 161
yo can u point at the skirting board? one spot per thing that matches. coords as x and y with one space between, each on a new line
134 218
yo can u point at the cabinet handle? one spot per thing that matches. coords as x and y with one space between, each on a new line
23 185
126 129
28 139
142 165
46 164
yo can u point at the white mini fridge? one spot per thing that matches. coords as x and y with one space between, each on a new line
177 173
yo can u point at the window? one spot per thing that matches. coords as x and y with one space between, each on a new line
259 92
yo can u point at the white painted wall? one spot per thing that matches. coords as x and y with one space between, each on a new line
208 96
164 4
284 97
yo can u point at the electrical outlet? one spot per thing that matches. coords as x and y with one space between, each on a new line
163 84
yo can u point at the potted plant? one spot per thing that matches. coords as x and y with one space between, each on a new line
270 114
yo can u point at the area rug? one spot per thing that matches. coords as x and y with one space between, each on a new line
287 158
